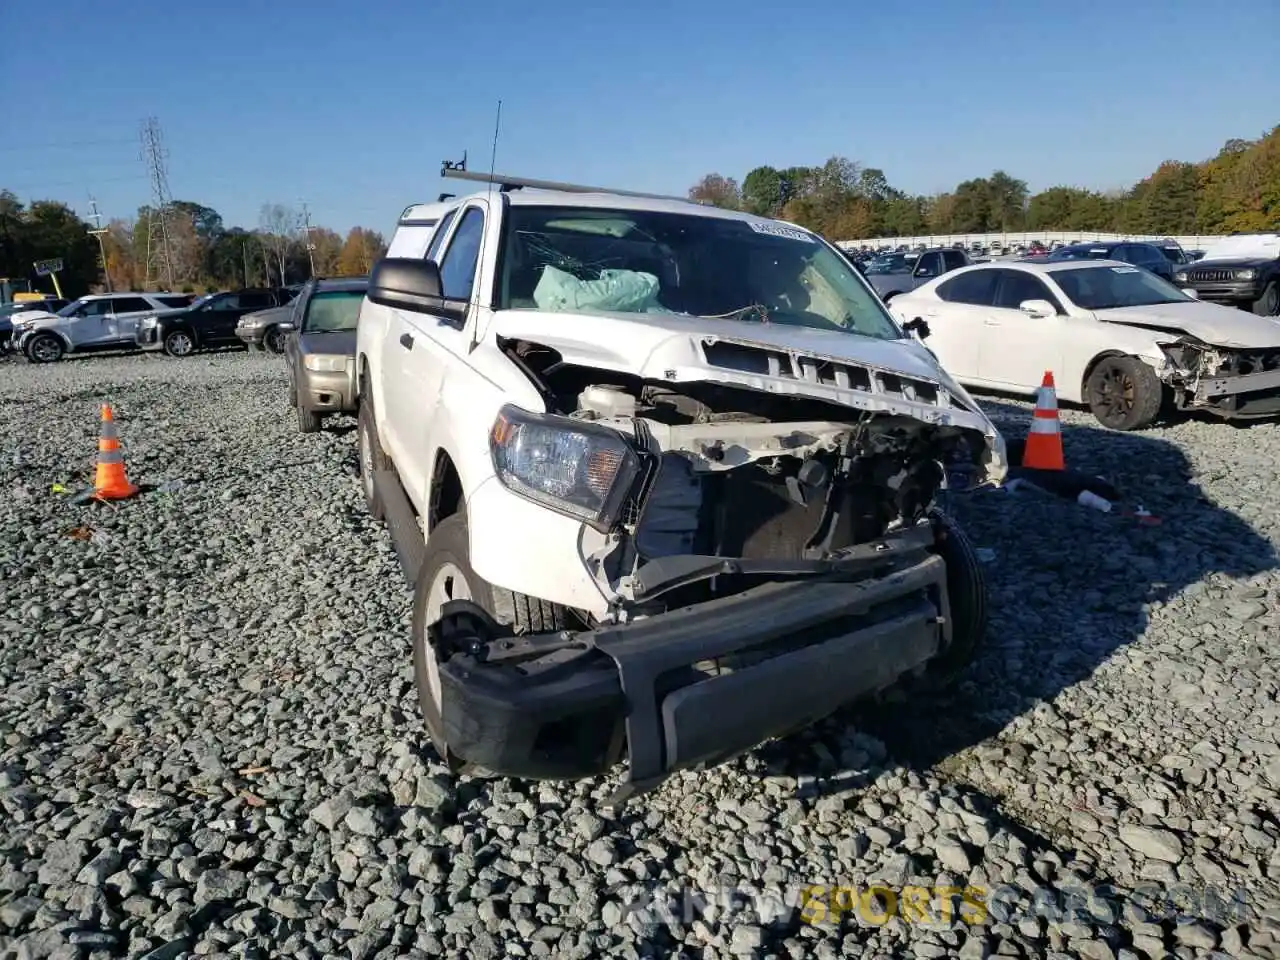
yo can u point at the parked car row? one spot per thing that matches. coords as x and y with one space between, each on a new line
177 323
104 321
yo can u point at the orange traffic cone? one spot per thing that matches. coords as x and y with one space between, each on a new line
110 482
1044 442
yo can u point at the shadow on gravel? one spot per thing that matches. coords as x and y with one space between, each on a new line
1068 585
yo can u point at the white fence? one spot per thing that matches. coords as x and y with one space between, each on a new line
1014 239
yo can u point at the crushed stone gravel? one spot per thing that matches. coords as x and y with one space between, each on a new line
209 742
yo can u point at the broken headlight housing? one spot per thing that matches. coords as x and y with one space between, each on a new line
575 468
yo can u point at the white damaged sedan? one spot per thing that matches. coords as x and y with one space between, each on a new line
1118 339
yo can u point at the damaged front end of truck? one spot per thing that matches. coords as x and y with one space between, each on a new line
767 536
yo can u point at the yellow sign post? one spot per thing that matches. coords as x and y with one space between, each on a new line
50 268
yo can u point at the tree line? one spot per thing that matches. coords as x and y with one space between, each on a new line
1236 191
204 254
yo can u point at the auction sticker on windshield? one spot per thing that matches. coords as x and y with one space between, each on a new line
1124 269
778 230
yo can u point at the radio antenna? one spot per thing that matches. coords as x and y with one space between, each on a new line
493 157
493 160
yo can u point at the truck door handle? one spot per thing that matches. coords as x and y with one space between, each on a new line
406 341
991 322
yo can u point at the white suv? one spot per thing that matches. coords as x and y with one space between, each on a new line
676 469
105 321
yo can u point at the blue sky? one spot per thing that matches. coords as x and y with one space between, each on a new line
352 106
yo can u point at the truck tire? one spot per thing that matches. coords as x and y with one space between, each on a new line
370 457
1268 305
446 574
967 593
1123 393
44 348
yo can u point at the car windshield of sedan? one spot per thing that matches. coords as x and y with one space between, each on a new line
333 311
588 259
1114 288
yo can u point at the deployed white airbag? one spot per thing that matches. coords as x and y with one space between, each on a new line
617 291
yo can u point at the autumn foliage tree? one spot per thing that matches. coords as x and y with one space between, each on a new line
206 254
1238 190
360 251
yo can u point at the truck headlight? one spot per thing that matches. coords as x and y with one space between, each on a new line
1246 274
324 363
1180 276
578 469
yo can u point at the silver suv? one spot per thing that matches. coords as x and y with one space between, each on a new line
104 321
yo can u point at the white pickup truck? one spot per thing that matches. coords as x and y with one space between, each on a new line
664 477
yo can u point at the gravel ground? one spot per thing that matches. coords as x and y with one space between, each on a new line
209 742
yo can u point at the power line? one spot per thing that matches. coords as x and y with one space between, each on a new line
28 188
159 253
63 145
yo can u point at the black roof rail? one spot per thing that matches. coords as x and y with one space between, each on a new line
458 171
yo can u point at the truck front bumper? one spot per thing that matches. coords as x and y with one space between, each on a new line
795 652
1239 293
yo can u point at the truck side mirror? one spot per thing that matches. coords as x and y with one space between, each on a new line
406 283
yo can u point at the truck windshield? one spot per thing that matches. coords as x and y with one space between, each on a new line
634 261
333 311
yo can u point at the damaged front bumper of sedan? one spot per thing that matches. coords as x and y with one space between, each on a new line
1233 383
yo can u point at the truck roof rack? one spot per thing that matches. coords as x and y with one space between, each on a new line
459 171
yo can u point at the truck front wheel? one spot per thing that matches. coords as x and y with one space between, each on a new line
967 596
444 575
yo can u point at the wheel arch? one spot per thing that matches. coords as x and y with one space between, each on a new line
55 332
62 338
367 392
444 490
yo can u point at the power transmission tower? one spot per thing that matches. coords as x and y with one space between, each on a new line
311 247
99 232
159 250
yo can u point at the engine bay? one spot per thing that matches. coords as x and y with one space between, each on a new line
747 475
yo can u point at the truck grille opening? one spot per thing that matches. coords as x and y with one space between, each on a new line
1211 276
831 372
